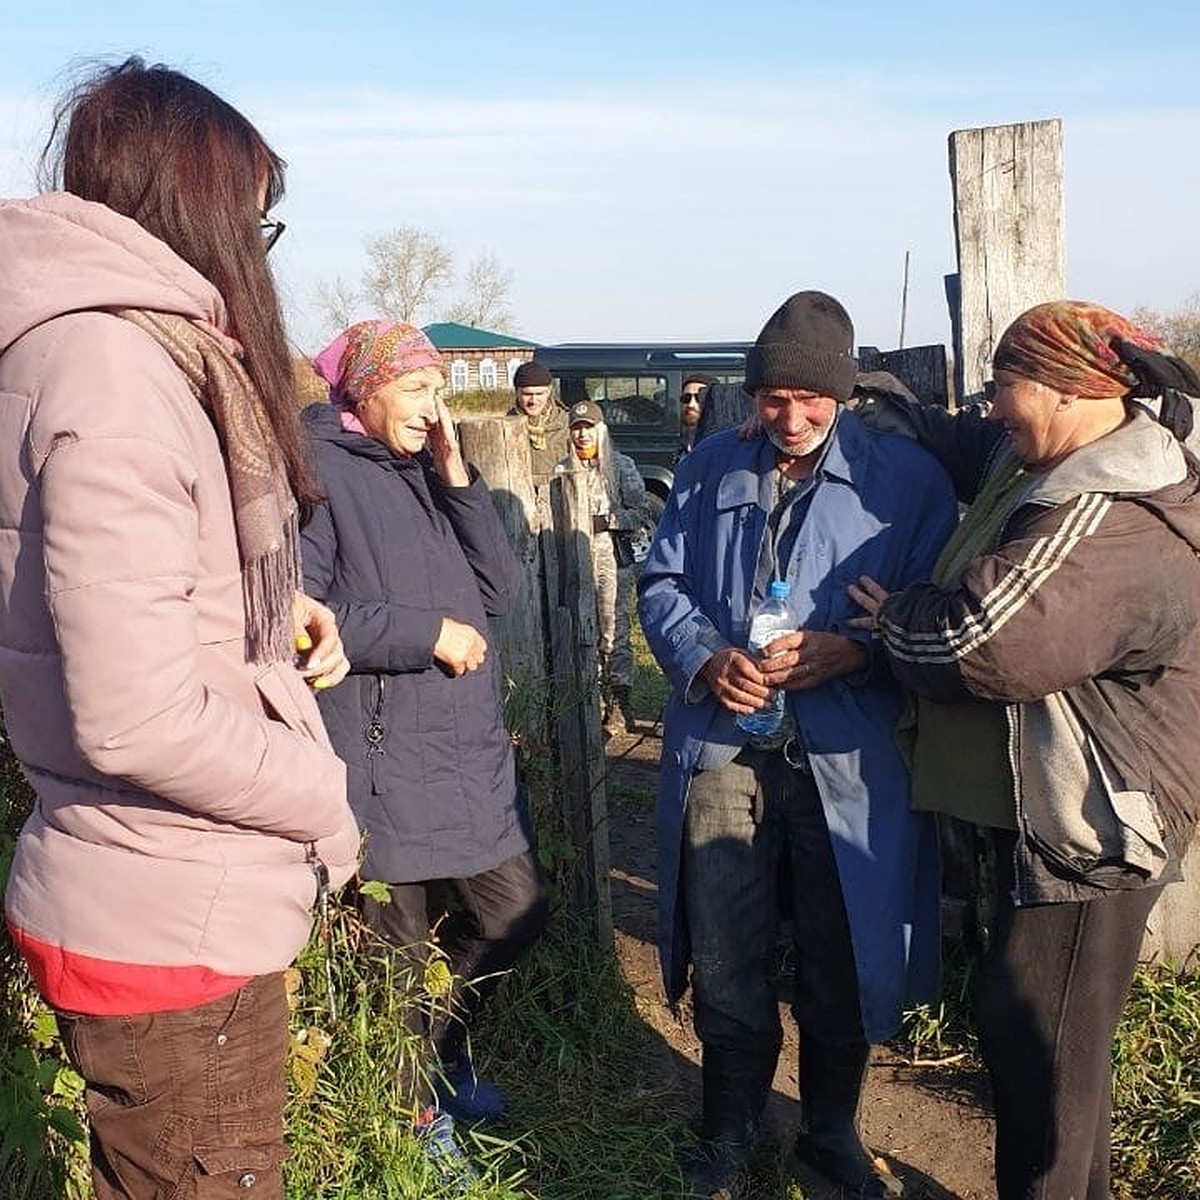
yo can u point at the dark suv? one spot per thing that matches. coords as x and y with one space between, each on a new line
637 386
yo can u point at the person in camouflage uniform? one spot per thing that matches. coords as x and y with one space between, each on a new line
616 498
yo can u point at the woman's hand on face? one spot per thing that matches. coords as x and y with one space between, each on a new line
320 655
444 449
867 594
460 648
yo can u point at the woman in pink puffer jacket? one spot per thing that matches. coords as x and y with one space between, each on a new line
188 801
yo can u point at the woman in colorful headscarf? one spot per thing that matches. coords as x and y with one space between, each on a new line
1057 672
409 552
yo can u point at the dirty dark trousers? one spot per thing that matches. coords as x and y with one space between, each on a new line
499 913
741 820
1050 992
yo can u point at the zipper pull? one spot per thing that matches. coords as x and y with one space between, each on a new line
321 875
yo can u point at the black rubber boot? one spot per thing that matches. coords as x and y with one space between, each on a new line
736 1086
831 1081
622 694
611 720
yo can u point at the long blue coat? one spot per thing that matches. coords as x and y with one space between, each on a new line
877 505
429 764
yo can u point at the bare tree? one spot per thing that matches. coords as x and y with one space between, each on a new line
408 272
1180 329
485 305
340 303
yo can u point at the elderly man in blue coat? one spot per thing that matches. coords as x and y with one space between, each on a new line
816 499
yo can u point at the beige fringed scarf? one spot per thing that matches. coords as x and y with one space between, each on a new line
264 509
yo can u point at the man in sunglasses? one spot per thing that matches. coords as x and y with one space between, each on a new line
691 404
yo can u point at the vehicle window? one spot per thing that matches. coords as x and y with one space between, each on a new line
629 399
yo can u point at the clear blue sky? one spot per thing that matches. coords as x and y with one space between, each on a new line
665 169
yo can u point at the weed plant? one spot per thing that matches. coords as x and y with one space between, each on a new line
1156 1091
357 1078
942 1032
43 1147
588 1079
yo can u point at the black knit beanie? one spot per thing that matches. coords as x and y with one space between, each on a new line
531 374
808 343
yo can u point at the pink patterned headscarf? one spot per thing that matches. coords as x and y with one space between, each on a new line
370 355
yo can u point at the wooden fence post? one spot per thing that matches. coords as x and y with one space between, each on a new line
498 447
922 369
548 644
574 636
1008 226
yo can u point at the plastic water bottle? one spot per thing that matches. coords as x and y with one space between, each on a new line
774 617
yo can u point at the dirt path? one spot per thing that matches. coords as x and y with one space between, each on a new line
930 1122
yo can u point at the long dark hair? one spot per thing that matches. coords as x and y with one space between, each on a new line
158 147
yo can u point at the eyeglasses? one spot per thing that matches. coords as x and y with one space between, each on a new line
271 231
689 398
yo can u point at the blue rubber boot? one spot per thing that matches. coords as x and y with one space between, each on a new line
465 1096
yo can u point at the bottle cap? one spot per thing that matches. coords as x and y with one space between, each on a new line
780 589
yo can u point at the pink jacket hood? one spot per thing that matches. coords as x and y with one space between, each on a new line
115 264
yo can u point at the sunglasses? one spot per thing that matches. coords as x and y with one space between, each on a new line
271 231
689 398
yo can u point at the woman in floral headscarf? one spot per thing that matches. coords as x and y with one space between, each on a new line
1057 670
409 552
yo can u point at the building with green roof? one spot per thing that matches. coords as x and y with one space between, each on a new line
479 358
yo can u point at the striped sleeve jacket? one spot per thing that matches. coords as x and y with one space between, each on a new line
1082 622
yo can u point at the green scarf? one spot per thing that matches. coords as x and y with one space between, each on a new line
959 751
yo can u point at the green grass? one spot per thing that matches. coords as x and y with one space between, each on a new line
1156 1092
353 1079
1156 1074
594 1113
583 1072
650 687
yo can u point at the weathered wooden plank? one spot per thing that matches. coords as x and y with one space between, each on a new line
922 369
1008 226
1173 931
548 643
498 447
575 640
